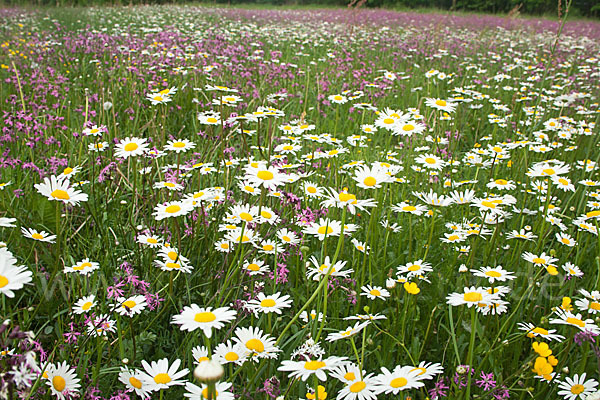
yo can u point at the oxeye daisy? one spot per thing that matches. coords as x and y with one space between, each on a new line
404 207
194 317
171 209
361 246
134 382
576 320
95 130
565 239
179 145
85 304
7 222
57 188
83 267
68 172
152 241
98 147
440 104
130 306
161 375
201 393
325 227
288 237
374 292
255 267
428 370
200 354
256 344
371 178
62 380
230 353
572 270
415 268
268 304
131 147
41 236
397 380
158 98
471 296
317 270
493 274
347 333
263 176
168 185
535 331
313 315
12 277
577 387
541 260
305 369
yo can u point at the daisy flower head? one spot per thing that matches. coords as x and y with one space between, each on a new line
577 387
493 274
194 317
172 209
535 331
576 320
230 352
440 104
131 147
151 241
222 392
541 260
83 267
317 270
85 304
374 292
305 369
268 177
371 178
6 222
41 236
158 98
256 343
311 189
59 189
95 130
62 380
415 268
255 267
12 277
179 145
134 382
428 370
160 375
397 380
348 332
130 306
268 304
471 296
405 207
325 227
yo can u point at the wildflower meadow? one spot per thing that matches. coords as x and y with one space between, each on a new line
230 203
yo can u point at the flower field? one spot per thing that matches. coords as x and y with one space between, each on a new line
218 203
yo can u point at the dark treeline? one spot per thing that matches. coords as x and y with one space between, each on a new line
579 8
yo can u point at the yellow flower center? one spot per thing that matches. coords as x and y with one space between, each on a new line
37 236
414 268
60 194
389 121
266 214
265 175
286 239
472 297
130 147
151 241
232 356
441 103
255 345
349 376
325 230
86 306
246 216
59 383
453 237
594 306
267 247
398 382
162 378
375 292
493 274
540 331
314 365
538 260
172 209
430 160
3 281
67 171
179 145
129 304
205 317
357 386
267 303
136 383
370 181
172 265
594 213
577 389
576 321
288 147
205 393
249 189
337 97
82 266
211 120
253 267
311 190
548 171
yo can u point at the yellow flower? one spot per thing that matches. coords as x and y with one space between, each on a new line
322 394
542 349
411 288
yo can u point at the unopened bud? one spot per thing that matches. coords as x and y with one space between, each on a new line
209 371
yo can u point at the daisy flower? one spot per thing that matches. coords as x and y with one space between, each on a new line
318 270
415 268
152 241
268 304
162 376
57 188
194 317
568 318
131 147
288 237
230 353
255 267
536 331
371 178
41 236
12 277
471 296
325 227
179 145
63 381
201 393
311 189
263 176
84 304
397 380
130 306
256 343
171 209
428 370
305 369
440 104
83 267
313 315
7 222
200 354
577 387
374 292
158 98
134 383
404 207
542 260
565 239
347 333
494 274
521 234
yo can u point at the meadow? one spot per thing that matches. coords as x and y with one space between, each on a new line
221 203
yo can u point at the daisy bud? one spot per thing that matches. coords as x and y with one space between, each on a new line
107 105
125 361
139 227
209 371
390 283
123 202
366 309
552 252
304 249
565 370
463 268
